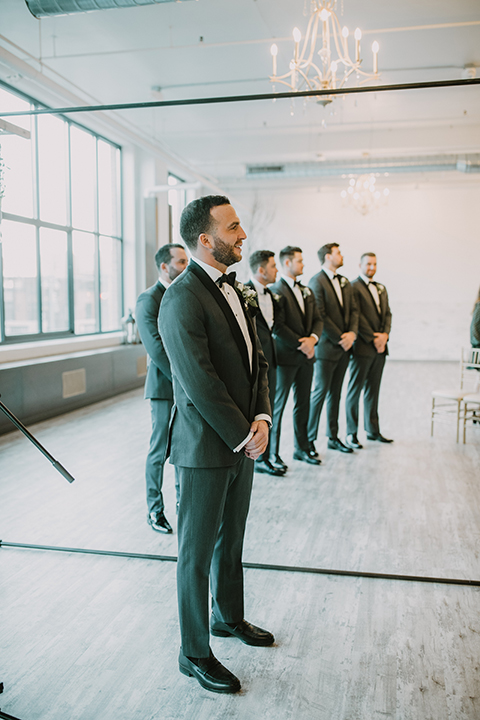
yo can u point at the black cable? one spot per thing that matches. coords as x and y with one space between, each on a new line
248 98
258 566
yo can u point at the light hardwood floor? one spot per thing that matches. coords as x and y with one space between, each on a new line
88 638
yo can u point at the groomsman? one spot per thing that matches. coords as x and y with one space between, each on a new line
264 272
369 352
336 302
297 330
218 428
171 260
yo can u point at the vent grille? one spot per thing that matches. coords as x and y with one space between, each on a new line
74 382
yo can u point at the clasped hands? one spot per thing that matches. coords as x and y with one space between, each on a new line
380 342
307 346
346 340
257 444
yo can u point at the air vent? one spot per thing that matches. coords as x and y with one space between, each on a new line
264 169
74 382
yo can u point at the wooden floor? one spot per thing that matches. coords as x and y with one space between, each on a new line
86 637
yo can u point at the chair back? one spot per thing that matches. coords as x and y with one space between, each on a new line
470 368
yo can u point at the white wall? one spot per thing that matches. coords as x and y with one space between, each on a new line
427 241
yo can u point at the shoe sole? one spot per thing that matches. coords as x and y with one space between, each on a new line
224 633
185 671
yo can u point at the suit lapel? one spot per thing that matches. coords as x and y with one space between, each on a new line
222 302
342 311
372 300
295 302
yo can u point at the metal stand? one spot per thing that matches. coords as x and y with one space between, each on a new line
58 466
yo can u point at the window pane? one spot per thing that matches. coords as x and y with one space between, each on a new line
18 156
20 278
108 188
84 175
52 158
85 283
54 280
110 298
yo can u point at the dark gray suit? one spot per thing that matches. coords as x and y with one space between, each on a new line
331 360
267 341
158 389
294 368
217 396
366 365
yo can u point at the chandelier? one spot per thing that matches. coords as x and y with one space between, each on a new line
363 194
312 69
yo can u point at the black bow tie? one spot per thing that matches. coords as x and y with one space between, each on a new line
297 283
230 279
335 277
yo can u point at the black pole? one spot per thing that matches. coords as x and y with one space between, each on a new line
38 445
249 98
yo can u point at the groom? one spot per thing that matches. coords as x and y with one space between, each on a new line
219 426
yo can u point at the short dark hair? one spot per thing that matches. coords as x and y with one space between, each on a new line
260 258
197 219
163 254
326 250
288 252
367 254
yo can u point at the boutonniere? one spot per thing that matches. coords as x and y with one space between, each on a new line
306 291
380 288
276 297
343 281
248 294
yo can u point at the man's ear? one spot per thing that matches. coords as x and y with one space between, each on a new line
164 267
204 240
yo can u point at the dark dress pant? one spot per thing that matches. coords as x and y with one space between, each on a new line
272 386
329 375
160 412
212 515
365 374
300 378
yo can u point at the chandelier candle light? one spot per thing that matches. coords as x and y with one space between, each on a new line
363 194
306 72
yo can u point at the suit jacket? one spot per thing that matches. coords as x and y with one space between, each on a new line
370 320
336 319
291 323
158 384
265 335
216 394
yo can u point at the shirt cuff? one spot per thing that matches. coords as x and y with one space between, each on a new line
262 416
314 336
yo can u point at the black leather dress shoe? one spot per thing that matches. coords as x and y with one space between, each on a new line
159 522
352 442
210 673
244 631
278 462
336 444
379 437
305 457
312 450
265 466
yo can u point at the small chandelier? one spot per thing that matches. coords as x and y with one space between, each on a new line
309 73
363 194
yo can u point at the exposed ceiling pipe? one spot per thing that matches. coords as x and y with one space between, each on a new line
49 8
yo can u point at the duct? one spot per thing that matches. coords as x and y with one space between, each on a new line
50 8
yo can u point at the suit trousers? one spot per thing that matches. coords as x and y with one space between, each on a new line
365 374
212 515
272 386
160 412
329 375
300 378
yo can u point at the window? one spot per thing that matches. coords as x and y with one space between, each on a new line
177 199
61 251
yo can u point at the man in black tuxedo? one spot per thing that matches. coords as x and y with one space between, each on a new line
336 302
369 352
219 427
297 330
171 260
264 272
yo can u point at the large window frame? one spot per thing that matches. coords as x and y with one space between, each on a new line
107 305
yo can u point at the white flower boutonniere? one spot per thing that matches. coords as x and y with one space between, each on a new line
380 288
306 291
343 281
248 294
276 297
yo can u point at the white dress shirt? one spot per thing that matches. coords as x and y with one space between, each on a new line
373 290
234 301
336 283
166 284
296 291
265 302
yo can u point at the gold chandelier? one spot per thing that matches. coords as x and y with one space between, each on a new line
309 73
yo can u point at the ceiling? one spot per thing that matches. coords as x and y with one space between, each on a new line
211 48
